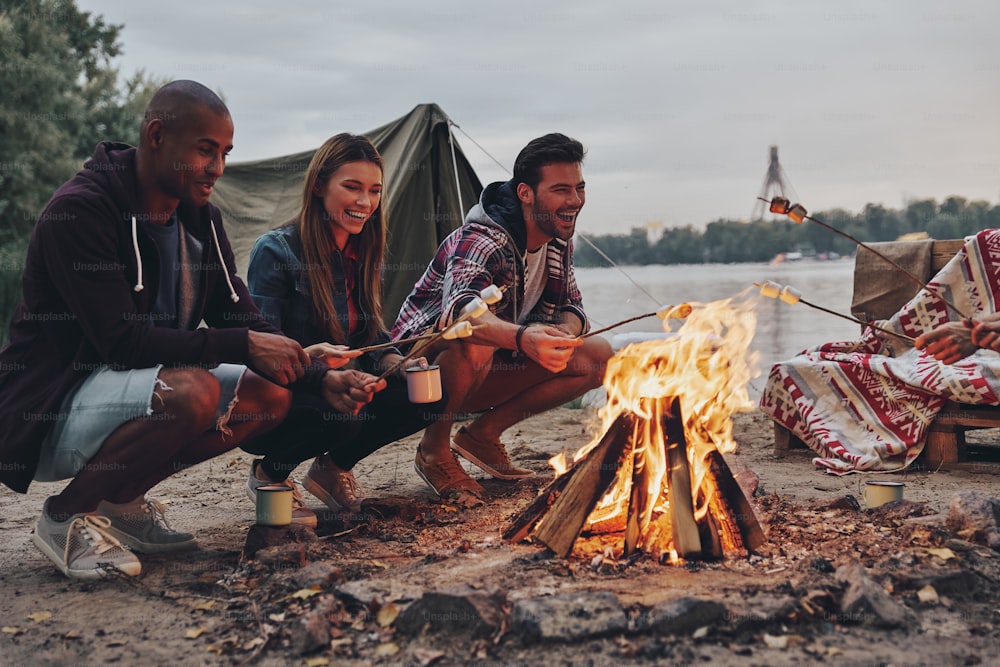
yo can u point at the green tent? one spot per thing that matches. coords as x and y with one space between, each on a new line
426 196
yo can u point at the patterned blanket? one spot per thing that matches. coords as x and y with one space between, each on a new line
866 405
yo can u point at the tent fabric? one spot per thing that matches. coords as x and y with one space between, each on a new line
421 200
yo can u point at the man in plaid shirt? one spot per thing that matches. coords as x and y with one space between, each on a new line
526 355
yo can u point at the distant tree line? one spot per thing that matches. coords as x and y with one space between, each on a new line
728 241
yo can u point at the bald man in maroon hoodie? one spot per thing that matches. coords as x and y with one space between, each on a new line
107 378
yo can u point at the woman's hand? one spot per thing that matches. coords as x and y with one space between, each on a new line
335 356
985 331
349 391
948 342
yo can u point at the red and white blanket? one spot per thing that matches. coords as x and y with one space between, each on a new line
866 405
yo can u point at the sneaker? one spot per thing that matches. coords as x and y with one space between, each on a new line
333 485
142 526
82 548
449 479
490 455
300 513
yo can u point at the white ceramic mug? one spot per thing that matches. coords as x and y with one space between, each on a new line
879 493
274 505
423 385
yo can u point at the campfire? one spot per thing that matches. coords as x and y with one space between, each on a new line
656 475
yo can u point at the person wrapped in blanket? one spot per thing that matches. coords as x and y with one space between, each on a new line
866 405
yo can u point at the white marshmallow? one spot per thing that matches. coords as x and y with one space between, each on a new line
491 294
790 295
460 330
770 289
474 308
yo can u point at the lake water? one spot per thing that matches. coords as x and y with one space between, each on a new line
783 330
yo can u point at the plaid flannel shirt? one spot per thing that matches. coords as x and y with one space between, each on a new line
482 253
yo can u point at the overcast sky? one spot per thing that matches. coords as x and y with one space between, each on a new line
676 102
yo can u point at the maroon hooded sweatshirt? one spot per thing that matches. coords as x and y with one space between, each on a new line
79 305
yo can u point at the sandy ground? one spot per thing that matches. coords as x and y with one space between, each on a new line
206 607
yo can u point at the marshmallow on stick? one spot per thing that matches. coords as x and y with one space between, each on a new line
798 213
790 295
678 312
460 328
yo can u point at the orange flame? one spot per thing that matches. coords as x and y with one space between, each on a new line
706 363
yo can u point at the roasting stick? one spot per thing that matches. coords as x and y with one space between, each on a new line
394 343
666 313
457 330
789 294
798 213
460 328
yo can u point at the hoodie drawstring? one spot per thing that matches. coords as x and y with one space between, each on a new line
215 237
225 272
138 258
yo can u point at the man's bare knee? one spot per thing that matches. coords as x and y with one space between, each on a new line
188 394
592 359
261 402
473 359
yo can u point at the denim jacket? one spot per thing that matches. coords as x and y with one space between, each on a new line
279 287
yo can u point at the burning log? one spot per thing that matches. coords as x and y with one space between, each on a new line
730 494
637 520
687 541
561 510
728 525
656 475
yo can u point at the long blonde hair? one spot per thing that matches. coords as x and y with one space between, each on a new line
317 238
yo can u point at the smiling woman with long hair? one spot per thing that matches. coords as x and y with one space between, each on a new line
318 278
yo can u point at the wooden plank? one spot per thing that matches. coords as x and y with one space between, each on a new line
977 416
940 449
786 442
943 251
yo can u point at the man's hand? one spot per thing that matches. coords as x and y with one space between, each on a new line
349 391
334 356
947 343
550 347
276 357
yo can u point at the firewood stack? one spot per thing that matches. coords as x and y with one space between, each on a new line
724 524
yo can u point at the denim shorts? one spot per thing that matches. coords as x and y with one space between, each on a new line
106 399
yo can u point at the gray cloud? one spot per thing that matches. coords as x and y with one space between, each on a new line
677 103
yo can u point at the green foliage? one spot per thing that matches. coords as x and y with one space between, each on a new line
11 266
728 241
61 95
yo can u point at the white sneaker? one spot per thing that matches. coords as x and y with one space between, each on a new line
82 548
142 526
